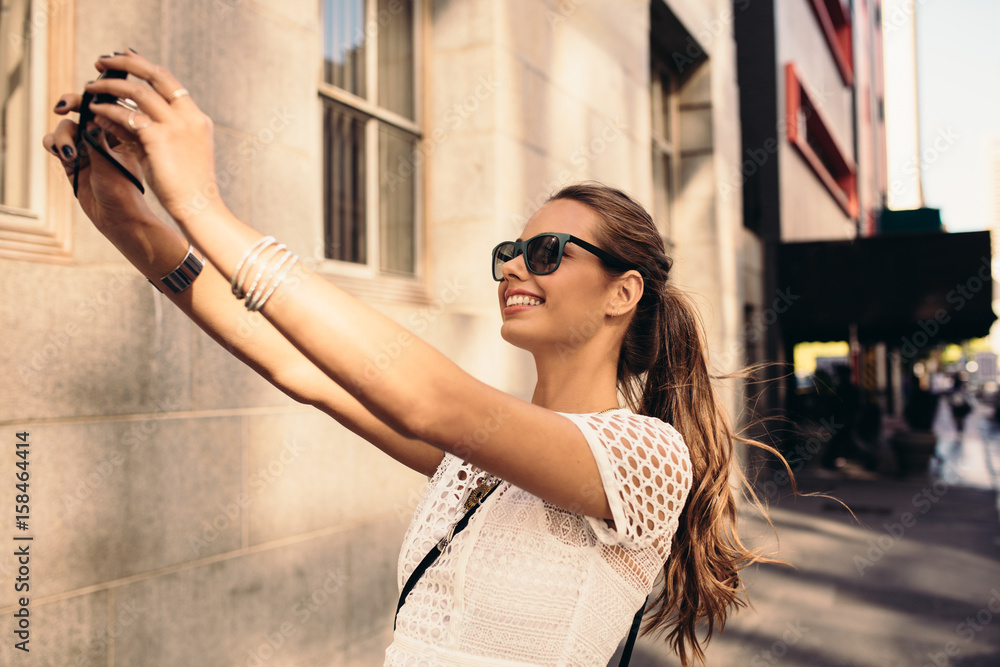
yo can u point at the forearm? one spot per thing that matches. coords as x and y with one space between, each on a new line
394 374
156 249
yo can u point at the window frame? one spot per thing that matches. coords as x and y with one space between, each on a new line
665 147
353 274
42 232
835 22
799 106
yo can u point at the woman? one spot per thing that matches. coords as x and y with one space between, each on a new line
590 501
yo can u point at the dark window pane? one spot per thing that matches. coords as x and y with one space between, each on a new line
344 45
395 56
397 200
344 176
15 101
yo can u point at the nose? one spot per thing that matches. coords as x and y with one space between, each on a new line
514 267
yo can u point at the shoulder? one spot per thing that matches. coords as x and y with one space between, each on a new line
648 438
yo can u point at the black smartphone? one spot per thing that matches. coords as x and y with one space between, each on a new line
87 116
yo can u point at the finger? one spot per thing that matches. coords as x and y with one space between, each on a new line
158 77
116 120
151 104
115 133
67 103
62 141
49 142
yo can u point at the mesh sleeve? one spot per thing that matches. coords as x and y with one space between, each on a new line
645 472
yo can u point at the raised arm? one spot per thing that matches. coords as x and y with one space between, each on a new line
421 394
155 249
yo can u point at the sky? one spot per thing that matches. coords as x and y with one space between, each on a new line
959 79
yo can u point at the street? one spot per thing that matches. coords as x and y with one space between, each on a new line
918 585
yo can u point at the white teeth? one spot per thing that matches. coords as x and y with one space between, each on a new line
523 300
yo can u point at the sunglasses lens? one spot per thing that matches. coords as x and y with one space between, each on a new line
501 255
542 254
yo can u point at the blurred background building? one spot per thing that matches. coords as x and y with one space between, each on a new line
184 508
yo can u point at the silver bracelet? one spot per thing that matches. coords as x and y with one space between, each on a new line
181 278
249 258
256 305
264 260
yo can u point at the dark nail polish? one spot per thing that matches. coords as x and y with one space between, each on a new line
133 50
68 152
120 53
60 104
106 55
55 149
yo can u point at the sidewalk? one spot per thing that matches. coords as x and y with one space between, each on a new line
918 584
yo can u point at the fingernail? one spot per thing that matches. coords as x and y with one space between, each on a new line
68 152
120 53
55 149
133 50
106 55
60 104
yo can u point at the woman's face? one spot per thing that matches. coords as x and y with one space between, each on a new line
562 310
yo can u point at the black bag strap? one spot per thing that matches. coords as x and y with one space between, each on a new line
443 543
632 635
438 548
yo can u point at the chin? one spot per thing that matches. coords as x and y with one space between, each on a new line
521 336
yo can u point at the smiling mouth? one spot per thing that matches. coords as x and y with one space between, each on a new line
523 300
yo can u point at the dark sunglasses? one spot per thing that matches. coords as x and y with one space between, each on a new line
544 253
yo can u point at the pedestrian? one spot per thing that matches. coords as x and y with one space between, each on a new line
554 517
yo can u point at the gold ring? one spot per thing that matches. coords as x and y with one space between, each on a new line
177 94
133 126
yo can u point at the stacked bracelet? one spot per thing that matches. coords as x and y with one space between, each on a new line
181 278
265 280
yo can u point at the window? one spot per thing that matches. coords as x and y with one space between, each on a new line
371 167
666 153
835 22
810 134
34 218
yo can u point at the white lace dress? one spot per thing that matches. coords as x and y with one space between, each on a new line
527 583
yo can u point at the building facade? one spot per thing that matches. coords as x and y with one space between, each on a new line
181 507
813 168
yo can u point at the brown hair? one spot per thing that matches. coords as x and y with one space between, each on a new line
663 372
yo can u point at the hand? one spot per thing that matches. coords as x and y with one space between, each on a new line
173 138
105 195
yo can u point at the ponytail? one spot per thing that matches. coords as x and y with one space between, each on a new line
663 373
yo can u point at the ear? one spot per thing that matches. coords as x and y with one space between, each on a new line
627 290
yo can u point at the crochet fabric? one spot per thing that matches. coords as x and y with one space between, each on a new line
528 583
